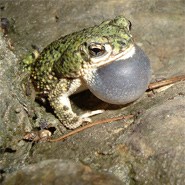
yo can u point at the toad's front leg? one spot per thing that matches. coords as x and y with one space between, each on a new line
59 100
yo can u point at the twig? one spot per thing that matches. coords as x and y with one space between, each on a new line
165 82
90 125
151 86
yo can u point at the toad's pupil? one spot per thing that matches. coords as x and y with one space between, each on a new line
96 51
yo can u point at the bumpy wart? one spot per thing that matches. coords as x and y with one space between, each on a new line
66 57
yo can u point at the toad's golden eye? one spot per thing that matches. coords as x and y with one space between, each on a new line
96 50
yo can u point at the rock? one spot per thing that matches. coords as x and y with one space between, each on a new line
16 110
59 172
146 150
13 118
155 144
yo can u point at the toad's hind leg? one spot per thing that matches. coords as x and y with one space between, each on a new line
59 100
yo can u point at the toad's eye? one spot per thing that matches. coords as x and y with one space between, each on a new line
96 50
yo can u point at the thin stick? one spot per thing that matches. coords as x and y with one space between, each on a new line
90 125
151 86
165 82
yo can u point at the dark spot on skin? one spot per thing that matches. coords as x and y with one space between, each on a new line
121 43
56 18
85 44
2 8
130 26
65 108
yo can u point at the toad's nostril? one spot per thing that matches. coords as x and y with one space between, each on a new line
122 43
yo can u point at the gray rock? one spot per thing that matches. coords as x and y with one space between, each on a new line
14 121
155 144
146 150
57 172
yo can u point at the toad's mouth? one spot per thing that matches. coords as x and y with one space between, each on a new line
125 54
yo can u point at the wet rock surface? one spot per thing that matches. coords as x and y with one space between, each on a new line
148 149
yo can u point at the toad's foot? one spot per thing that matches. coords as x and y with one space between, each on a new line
68 118
75 121
59 100
91 113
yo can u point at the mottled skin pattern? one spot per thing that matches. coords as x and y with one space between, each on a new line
60 69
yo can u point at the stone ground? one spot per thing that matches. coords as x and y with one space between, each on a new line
148 149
